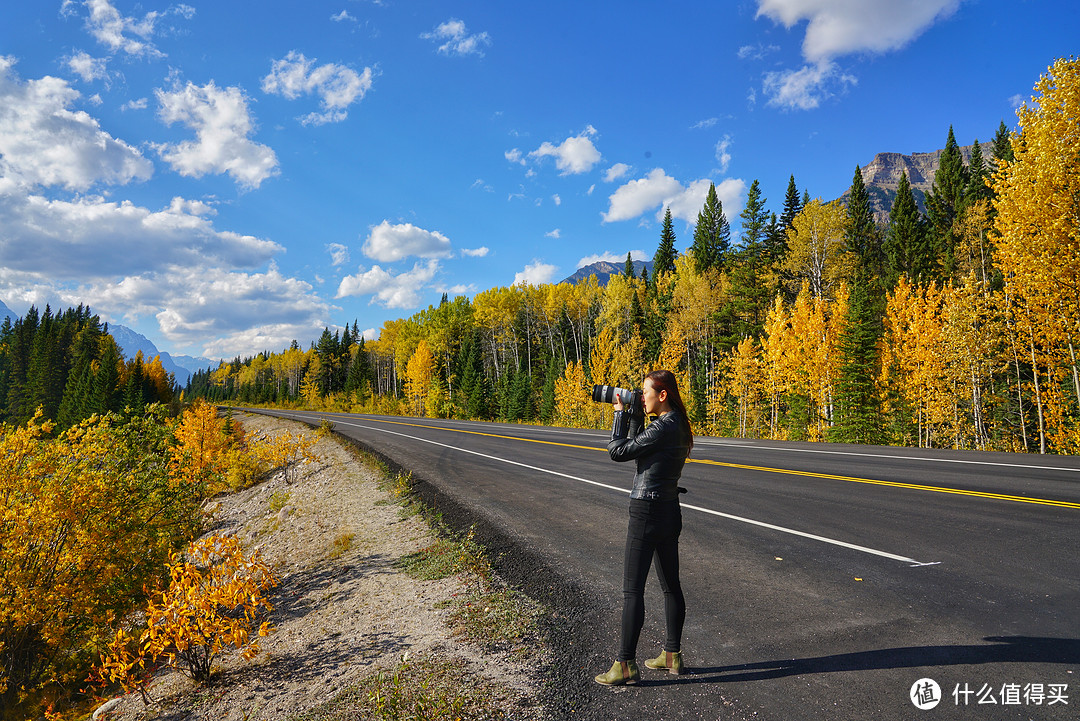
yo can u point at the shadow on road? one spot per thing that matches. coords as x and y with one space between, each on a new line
1005 649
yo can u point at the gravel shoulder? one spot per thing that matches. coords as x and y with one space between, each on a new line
343 608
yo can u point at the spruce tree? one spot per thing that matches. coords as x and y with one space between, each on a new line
775 241
862 236
944 203
664 259
1002 150
977 189
628 268
712 235
858 408
754 218
907 246
792 205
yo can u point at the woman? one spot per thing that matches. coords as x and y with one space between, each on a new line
655 519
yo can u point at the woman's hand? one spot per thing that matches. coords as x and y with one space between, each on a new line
617 403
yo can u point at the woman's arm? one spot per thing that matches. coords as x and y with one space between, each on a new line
635 445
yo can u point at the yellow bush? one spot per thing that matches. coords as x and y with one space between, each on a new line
214 600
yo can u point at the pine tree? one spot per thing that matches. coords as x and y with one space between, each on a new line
628 268
977 189
1002 148
792 206
712 235
775 241
907 248
858 406
862 234
754 218
944 203
664 259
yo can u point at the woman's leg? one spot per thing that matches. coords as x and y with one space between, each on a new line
636 561
667 571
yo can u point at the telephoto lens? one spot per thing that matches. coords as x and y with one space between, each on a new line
606 394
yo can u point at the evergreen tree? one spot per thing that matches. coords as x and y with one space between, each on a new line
107 378
664 259
1002 148
792 206
628 268
977 189
360 378
858 407
944 203
775 241
755 219
547 394
712 235
907 246
862 234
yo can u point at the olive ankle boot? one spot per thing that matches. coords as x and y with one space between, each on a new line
671 660
622 672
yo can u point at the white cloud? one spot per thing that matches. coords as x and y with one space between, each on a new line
475 252
370 334
723 156
609 257
339 254
1016 101
337 86
88 68
139 104
44 142
457 39
514 156
341 16
840 27
756 52
573 156
704 124
222 124
556 234
557 200
90 238
615 172
536 273
390 291
390 243
658 189
804 89
120 33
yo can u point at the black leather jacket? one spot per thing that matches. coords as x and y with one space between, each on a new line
660 451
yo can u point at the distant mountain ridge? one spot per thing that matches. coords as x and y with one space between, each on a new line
882 176
603 270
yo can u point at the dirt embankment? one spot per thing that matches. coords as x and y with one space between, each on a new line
343 608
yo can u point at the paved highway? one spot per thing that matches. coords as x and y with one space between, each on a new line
823 581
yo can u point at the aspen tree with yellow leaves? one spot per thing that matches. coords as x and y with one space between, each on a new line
1038 246
418 375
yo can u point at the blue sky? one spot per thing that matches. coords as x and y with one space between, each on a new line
226 177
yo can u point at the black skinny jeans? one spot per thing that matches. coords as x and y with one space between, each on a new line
653 532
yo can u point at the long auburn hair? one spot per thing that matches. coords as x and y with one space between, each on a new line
664 380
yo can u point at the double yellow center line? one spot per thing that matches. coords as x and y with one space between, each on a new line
807 474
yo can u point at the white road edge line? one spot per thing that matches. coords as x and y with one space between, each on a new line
770 526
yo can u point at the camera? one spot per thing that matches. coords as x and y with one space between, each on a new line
607 394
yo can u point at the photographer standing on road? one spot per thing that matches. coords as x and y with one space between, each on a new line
655 518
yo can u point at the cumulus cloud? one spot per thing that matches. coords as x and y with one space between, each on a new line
222 125
660 190
139 104
475 252
337 86
608 257
573 156
88 68
90 237
339 254
389 290
121 33
456 40
556 199
556 234
840 27
44 142
389 243
615 172
514 156
536 273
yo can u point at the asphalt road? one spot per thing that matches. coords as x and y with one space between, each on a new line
823 581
